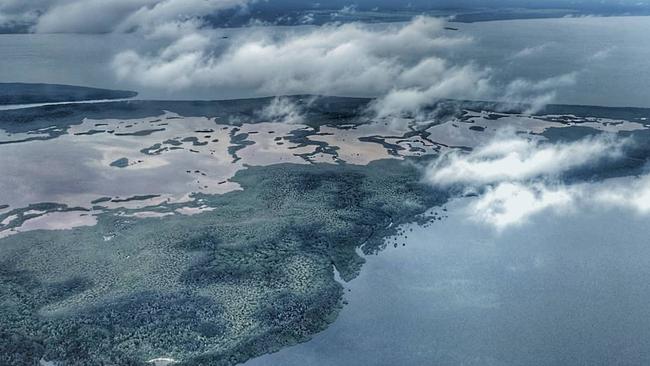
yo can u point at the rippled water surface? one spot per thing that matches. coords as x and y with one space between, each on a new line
559 290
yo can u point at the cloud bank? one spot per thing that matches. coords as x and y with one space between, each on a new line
403 65
406 66
511 204
284 110
511 158
334 59
104 16
519 178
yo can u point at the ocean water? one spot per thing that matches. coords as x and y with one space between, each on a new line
560 290
609 56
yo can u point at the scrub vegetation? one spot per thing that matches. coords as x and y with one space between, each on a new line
217 288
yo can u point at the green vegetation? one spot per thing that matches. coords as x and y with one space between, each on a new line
255 274
217 288
120 163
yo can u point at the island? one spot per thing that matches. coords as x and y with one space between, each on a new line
27 93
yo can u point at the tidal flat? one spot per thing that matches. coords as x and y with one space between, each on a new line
210 233
222 286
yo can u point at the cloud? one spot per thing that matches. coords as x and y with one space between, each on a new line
346 10
518 178
104 16
455 82
282 109
19 12
350 59
531 51
174 11
509 204
513 158
601 54
405 66
631 194
537 93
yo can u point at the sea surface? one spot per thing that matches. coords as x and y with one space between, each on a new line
608 55
562 289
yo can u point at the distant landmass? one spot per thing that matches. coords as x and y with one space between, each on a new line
25 93
290 12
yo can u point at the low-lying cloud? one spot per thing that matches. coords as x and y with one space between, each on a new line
531 51
634 194
514 158
513 203
537 94
518 178
509 204
104 16
404 66
350 59
284 110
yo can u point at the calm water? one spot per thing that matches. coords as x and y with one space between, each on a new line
570 290
610 56
561 290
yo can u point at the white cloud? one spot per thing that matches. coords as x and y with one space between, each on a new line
103 16
510 204
350 59
174 11
602 54
403 65
348 9
531 51
632 194
282 109
513 158
464 82
537 93
519 178
20 12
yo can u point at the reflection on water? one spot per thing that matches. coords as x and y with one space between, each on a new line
86 169
560 290
139 163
